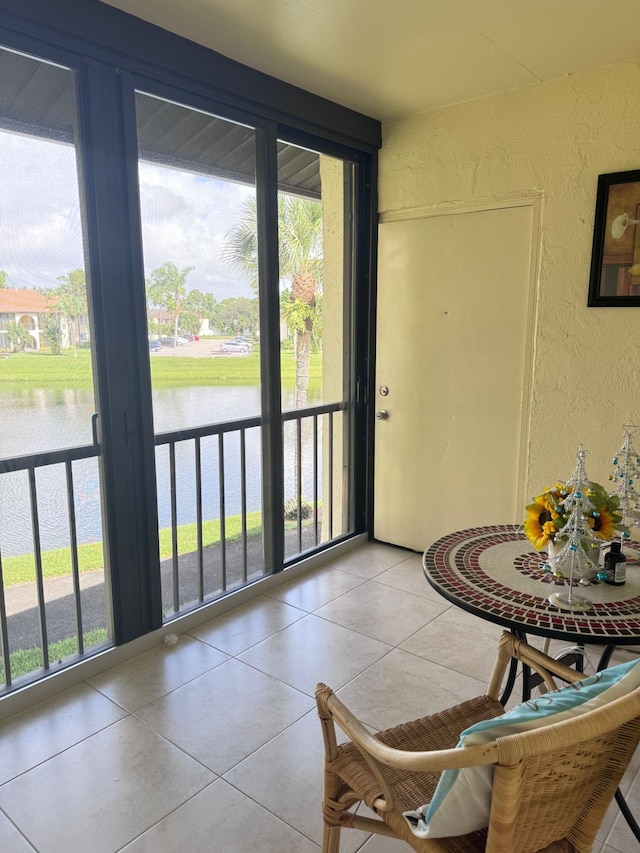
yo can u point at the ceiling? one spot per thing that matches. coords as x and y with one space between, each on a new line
37 98
390 59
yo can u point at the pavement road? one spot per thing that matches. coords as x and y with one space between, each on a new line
197 349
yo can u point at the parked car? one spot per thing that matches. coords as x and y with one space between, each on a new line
241 339
234 346
192 337
168 342
155 346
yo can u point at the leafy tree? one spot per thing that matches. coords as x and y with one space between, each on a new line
53 332
4 279
70 300
300 257
190 322
166 289
197 306
19 337
203 304
237 316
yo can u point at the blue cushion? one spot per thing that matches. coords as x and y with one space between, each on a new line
462 799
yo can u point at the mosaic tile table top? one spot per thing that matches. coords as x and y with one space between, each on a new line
494 573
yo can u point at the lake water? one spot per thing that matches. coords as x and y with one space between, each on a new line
39 420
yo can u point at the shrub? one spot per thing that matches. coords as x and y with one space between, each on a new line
291 509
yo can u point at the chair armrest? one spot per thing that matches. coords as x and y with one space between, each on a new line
369 745
378 755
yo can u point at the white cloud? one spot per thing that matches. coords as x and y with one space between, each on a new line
40 235
185 217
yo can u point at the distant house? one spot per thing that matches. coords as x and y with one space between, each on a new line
162 317
26 307
165 321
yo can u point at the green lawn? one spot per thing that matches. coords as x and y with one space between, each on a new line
57 562
43 370
24 661
47 371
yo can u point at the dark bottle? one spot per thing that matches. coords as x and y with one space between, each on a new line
615 565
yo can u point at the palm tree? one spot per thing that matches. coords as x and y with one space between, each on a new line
166 289
300 258
70 299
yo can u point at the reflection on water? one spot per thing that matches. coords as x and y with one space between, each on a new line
180 408
39 420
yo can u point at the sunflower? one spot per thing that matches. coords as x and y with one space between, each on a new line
605 524
540 525
552 498
546 516
606 521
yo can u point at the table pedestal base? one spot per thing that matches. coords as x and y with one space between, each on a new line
568 600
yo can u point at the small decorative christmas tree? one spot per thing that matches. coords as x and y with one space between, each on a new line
576 537
626 472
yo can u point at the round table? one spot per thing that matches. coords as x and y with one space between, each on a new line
494 573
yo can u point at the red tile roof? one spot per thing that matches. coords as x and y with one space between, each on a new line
159 314
22 302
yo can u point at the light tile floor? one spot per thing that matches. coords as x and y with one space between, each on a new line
213 744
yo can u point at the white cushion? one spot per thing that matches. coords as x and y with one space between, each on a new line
462 800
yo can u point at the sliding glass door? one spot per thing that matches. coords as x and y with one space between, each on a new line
315 250
180 279
197 175
52 591
226 447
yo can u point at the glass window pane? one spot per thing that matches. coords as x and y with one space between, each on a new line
315 251
198 207
47 381
46 378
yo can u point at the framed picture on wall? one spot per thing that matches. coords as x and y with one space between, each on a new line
615 258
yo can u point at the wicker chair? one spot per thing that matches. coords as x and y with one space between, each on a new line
551 785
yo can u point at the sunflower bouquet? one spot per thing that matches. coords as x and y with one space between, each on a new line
547 515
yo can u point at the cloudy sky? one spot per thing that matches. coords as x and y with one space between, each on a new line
185 218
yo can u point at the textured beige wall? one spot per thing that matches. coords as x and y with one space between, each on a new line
554 139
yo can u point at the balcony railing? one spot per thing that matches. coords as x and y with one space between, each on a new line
31 625
315 417
202 453
215 458
210 500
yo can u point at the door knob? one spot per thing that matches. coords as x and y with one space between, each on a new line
382 415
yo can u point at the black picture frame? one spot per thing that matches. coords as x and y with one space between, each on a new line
615 258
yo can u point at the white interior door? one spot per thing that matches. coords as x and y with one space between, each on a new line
455 314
